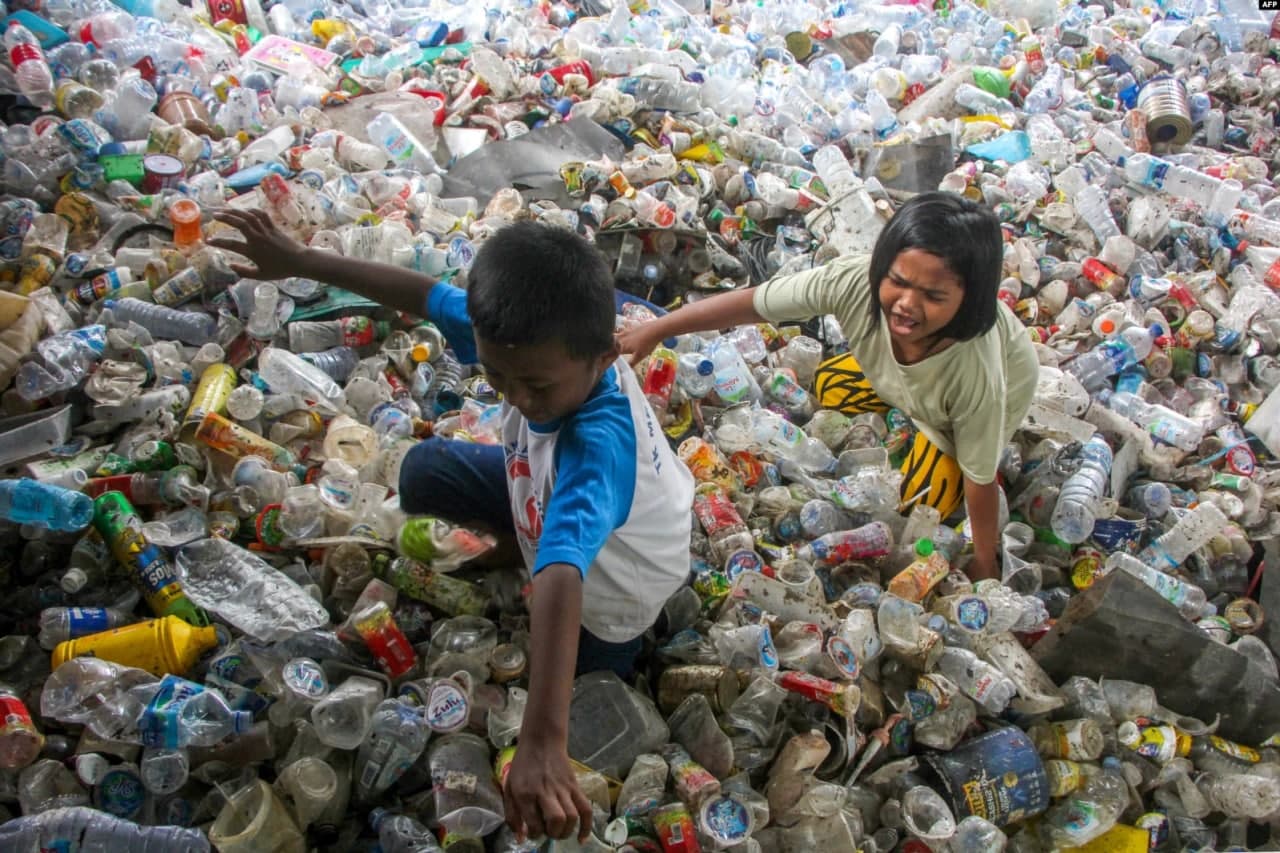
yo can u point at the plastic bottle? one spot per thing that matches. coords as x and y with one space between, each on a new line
1188 598
1111 357
720 521
205 719
287 373
59 624
399 833
246 591
63 361
977 679
195 328
1091 204
1074 515
1179 181
843 546
1192 532
158 646
695 373
402 146
924 573
20 741
44 505
1161 421
1087 812
388 644
35 80
396 738
178 486
733 381
120 527
83 828
342 719
338 363
660 378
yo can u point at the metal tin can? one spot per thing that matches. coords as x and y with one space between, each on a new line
161 171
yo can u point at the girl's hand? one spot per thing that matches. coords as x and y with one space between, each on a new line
639 341
274 253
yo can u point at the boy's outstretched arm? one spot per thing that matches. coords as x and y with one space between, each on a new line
542 795
276 255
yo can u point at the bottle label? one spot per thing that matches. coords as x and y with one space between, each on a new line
1235 750
1169 588
83 621
121 793
14 715
357 331
159 723
1159 743
1272 276
447 707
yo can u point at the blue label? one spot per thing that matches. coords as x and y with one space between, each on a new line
121 792
159 723
87 620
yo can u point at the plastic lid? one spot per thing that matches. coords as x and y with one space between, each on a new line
1128 735
1106 325
706 367
924 547
74 580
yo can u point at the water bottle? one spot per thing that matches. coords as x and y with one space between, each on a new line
1074 515
396 738
26 501
1178 181
733 381
1151 499
1087 813
1091 204
977 679
59 624
246 591
164 770
35 80
1047 92
205 719
405 150
399 833
287 373
1111 357
196 329
1192 532
1161 421
844 546
338 363
83 828
834 169
62 363
342 719
695 373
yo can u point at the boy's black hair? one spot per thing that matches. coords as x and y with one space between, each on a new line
966 236
532 283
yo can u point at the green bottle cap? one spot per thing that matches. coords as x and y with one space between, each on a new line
924 547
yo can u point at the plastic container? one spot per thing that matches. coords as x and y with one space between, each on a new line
610 724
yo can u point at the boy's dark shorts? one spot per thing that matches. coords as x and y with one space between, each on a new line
465 482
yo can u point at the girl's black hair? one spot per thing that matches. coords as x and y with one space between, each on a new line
966 236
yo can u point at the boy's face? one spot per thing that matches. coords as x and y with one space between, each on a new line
541 380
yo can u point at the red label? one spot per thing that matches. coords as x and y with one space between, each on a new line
14 714
1272 277
228 10
357 331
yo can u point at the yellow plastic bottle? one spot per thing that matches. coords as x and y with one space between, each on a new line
160 646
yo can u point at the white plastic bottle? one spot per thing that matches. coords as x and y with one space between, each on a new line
405 150
1075 513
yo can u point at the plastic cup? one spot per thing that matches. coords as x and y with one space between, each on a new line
184 215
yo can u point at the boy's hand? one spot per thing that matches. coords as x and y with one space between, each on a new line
542 795
639 341
274 253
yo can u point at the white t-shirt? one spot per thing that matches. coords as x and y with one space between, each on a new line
602 491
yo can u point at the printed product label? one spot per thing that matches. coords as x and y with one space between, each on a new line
159 723
87 620
1235 750
14 714
121 792
447 707
726 819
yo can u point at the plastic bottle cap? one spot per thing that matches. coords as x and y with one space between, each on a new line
706 367
1107 326
924 547
1128 735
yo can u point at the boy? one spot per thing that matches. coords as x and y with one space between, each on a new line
584 478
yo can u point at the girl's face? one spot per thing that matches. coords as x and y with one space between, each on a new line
919 297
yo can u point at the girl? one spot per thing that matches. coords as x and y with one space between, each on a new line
927 335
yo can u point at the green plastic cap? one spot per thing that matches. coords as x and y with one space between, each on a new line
924 547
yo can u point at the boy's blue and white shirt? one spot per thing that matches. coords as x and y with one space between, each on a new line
599 490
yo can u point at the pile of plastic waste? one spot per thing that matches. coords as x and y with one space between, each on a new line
223 631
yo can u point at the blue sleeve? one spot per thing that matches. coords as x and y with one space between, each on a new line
595 481
447 308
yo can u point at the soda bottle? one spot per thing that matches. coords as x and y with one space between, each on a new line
720 520
20 741
388 644
660 378
843 546
928 569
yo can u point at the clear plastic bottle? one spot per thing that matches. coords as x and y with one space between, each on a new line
83 828
1091 204
26 501
246 591
1151 499
59 624
195 328
733 381
1241 796
843 546
35 80
1111 356
1087 812
396 738
1192 532
695 373
721 521
1161 421
402 146
977 679
287 373
1074 514
342 719
398 833
1179 181
62 362
338 363
1187 597
164 770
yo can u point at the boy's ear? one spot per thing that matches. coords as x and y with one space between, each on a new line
608 357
